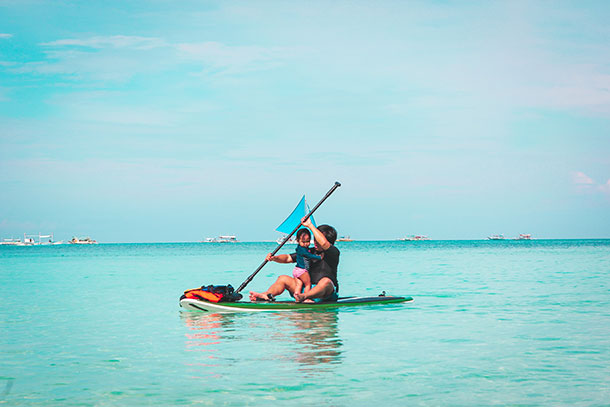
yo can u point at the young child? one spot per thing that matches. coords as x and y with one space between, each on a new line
301 271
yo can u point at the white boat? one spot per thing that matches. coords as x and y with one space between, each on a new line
495 237
221 239
227 239
12 242
47 240
292 240
30 240
345 239
415 238
524 236
85 240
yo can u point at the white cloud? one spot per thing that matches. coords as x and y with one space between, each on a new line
112 108
580 87
580 178
115 58
120 57
586 184
215 55
3 35
114 41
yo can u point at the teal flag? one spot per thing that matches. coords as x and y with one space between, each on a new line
294 219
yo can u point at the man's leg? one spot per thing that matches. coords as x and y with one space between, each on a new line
282 283
323 289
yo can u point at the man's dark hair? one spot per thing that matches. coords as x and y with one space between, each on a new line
329 232
302 232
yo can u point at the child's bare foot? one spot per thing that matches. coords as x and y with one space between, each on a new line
254 296
298 297
309 301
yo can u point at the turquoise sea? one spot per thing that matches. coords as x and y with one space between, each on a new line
522 323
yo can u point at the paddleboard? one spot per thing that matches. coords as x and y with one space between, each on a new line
246 306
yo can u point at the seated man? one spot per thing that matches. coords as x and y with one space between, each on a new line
323 272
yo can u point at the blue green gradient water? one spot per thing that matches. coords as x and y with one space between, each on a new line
493 323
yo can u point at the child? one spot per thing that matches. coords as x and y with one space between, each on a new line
301 271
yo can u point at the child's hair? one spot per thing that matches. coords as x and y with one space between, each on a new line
302 232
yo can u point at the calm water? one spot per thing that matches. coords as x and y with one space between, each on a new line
493 323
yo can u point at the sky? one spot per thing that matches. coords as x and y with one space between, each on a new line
165 121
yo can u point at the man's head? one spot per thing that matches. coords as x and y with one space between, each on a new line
329 233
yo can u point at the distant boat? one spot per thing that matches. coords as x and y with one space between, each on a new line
495 237
12 242
415 238
48 240
524 236
221 239
227 239
292 240
30 240
345 239
85 240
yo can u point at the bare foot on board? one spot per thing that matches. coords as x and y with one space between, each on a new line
254 296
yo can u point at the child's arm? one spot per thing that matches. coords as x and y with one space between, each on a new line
280 258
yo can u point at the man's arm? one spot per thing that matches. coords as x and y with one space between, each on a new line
317 235
282 258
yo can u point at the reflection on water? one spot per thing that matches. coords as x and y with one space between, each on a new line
316 332
309 339
207 330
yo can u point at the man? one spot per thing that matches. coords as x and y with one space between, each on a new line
323 272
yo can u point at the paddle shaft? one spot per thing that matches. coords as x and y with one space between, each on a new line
245 283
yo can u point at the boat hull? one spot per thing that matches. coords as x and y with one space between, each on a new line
281 306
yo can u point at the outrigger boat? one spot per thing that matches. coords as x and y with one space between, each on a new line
415 238
281 239
30 240
221 239
495 237
85 240
524 236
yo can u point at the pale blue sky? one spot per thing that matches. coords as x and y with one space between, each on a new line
174 121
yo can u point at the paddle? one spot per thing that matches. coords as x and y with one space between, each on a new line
245 283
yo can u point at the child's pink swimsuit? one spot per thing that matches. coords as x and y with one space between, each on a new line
298 272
